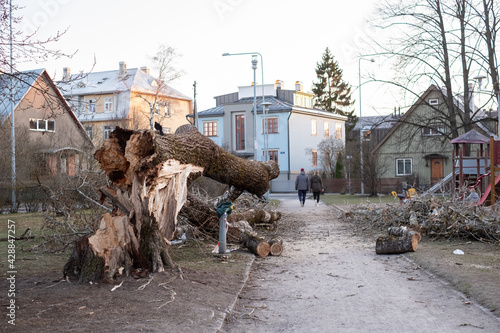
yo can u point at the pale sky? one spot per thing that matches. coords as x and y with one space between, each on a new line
291 36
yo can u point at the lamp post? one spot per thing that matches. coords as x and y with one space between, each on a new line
361 131
348 157
226 54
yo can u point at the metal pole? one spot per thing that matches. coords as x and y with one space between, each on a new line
12 124
254 66
222 234
361 160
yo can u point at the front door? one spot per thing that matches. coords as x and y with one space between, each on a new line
436 170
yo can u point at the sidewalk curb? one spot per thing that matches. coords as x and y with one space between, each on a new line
230 308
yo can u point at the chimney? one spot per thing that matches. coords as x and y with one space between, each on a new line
145 69
123 68
279 84
66 73
298 86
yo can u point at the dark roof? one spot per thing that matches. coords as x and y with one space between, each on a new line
378 122
276 105
471 137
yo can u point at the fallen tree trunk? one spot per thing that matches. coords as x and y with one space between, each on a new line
149 176
395 245
255 244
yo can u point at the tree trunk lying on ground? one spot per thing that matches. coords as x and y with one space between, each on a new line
255 244
149 175
276 246
395 245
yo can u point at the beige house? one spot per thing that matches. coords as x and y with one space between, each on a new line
49 138
125 98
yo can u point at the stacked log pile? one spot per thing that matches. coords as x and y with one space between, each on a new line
434 217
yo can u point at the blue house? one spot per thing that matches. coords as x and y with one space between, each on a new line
294 128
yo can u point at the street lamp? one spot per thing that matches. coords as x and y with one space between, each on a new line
361 131
359 79
348 157
226 54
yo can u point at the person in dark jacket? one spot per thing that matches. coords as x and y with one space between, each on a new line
302 185
316 187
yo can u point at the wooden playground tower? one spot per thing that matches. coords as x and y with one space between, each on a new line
478 172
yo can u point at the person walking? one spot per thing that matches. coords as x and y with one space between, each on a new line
316 187
302 185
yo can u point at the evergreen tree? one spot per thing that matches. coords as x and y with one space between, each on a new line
332 92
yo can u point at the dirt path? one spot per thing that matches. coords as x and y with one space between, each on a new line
330 281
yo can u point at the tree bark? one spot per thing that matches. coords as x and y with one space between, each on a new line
276 246
395 245
149 176
257 245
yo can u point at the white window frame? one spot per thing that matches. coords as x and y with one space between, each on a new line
42 125
108 104
314 158
434 101
210 128
106 131
314 127
338 131
404 161
91 106
90 132
433 130
326 127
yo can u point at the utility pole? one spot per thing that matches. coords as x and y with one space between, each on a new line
12 124
195 109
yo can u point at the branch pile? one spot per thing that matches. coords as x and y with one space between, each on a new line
434 217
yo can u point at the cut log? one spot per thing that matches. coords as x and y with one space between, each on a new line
395 245
256 245
276 246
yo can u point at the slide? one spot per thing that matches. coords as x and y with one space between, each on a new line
486 193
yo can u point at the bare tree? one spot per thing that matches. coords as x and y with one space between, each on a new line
164 63
329 149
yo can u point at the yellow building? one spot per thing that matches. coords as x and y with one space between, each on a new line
124 98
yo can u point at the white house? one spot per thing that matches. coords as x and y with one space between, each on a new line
295 128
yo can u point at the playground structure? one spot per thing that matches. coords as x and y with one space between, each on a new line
476 173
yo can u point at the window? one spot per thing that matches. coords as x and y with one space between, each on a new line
210 128
108 104
314 158
166 109
327 129
273 154
42 125
433 101
327 159
91 106
272 125
314 127
403 166
167 130
240 132
106 130
90 132
433 130
338 131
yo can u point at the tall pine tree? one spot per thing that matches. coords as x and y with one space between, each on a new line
332 92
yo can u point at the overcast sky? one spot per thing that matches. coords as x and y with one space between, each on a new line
291 36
